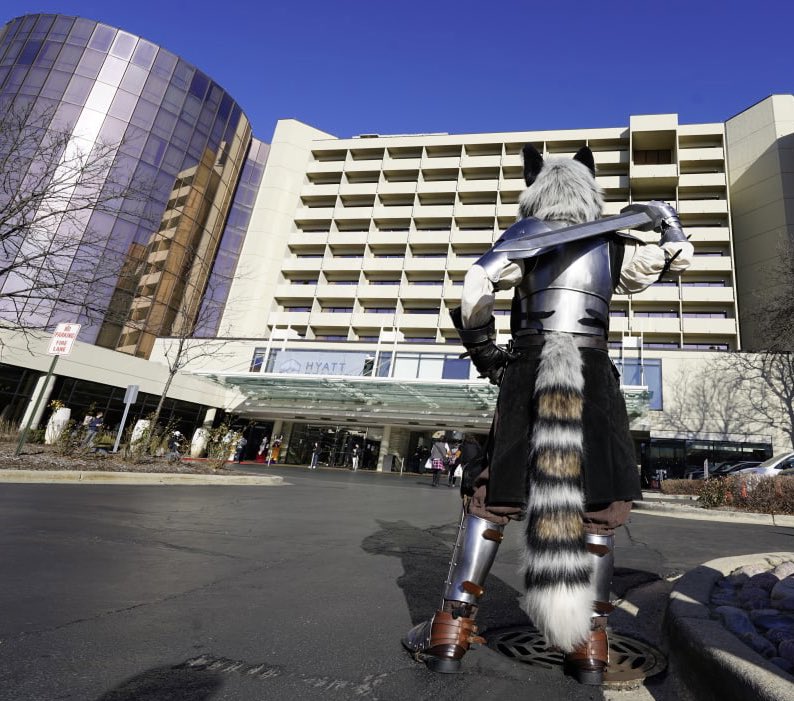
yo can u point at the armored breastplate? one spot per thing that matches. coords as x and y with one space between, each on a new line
566 289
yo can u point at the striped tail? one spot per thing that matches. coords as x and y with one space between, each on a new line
558 569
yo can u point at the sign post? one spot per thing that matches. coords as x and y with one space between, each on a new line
129 398
61 343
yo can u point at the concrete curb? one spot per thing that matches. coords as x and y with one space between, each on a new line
713 663
695 512
143 478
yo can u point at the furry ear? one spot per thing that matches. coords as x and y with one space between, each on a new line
533 163
585 156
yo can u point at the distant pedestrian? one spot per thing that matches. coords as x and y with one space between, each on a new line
240 449
261 454
355 456
92 429
438 456
174 444
452 464
315 456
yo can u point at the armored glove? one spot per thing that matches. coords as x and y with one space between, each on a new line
489 359
665 220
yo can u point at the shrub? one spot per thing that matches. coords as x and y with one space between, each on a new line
715 492
70 440
769 495
681 487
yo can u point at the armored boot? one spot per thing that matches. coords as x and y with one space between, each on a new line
442 641
588 662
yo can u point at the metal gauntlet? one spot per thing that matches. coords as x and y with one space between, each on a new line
669 225
487 357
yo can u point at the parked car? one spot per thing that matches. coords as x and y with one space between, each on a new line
730 466
773 466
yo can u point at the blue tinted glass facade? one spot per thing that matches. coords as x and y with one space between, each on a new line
176 145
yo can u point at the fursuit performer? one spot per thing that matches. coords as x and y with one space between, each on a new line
559 455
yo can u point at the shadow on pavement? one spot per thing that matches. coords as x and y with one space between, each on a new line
176 683
425 556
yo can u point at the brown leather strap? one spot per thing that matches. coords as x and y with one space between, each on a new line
473 589
594 652
603 607
596 549
493 534
451 637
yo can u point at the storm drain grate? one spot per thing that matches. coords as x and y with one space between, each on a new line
630 660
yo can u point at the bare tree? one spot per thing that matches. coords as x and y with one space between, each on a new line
712 399
175 299
767 385
52 181
776 320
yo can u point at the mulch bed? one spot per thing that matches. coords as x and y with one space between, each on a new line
45 457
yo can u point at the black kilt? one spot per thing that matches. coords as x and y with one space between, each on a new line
609 469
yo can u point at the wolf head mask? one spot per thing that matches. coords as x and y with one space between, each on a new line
560 189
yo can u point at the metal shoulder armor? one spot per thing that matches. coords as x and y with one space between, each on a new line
494 261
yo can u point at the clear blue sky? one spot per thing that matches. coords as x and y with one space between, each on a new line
364 66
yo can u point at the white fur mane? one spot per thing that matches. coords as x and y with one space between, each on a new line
565 190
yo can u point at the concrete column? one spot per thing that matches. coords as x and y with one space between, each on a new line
42 404
209 417
285 429
384 447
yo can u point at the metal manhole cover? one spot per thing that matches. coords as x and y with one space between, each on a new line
629 660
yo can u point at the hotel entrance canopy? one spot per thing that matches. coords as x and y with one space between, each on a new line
364 400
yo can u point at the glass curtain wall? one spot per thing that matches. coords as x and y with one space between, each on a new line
177 143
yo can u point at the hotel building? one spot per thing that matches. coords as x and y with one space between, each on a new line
336 261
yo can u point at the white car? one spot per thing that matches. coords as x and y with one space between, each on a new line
773 466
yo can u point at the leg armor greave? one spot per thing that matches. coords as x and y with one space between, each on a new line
601 549
474 554
442 641
589 661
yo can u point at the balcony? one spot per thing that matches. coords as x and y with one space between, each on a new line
444 162
701 180
703 207
347 238
397 164
382 213
294 292
706 294
367 291
329 320
475 162
375 264
312 190
325 167
314 214
702 264
358 188
655 293
425 187
417 321
654 325
288 318
442 211
412 292
708 234
307 239
352 166
400 188
420 264
661 175
700 154
701 327
302 265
